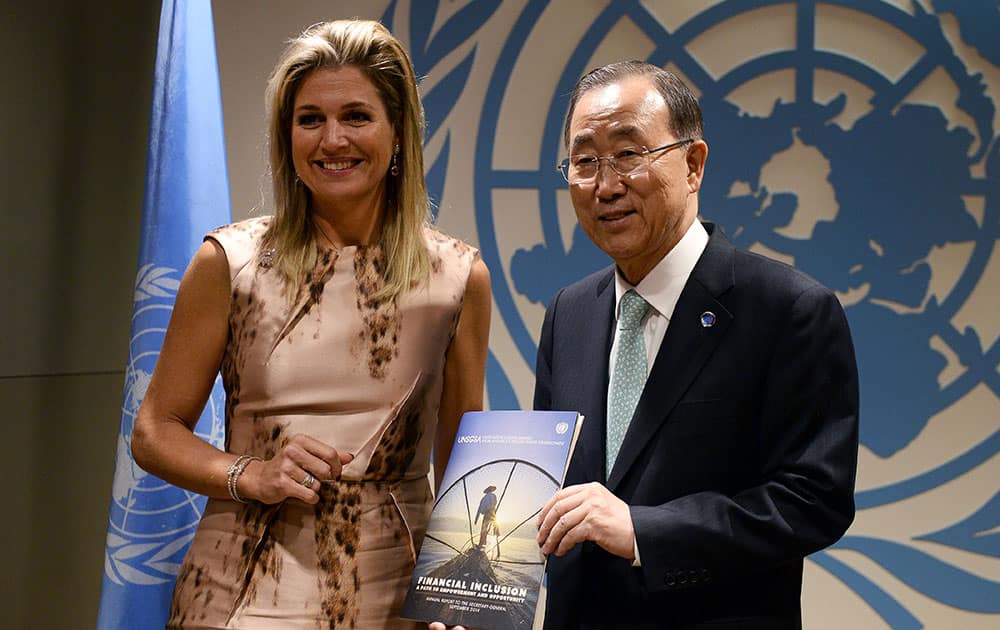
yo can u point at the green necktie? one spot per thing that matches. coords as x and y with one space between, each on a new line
629 375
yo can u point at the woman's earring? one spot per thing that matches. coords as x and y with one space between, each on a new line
395 162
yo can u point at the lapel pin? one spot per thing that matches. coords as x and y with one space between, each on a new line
707 319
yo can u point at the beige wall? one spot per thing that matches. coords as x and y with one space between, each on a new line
73 115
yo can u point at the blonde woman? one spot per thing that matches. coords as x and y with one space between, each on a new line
351 337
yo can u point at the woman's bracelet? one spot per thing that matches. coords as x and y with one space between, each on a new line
233 475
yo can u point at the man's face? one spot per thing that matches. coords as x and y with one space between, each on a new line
638 218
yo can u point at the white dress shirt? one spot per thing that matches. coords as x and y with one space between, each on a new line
661 288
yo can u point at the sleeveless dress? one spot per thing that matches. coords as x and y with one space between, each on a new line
362 375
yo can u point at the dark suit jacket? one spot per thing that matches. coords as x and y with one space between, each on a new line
740 458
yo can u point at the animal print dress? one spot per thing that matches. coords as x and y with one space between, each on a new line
362 375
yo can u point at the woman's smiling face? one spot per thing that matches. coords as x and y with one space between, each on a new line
342 141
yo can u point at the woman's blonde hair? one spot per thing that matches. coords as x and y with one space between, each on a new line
370 47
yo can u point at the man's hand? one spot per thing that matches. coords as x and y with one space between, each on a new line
586 512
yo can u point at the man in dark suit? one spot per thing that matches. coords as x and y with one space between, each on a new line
739 459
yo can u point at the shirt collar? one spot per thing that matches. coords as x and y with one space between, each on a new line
662 286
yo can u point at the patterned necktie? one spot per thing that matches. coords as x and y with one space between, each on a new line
629 375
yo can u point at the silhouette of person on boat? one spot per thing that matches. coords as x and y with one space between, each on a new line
488 510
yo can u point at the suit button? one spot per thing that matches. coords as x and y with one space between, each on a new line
669 579
683 577
693 576
706 576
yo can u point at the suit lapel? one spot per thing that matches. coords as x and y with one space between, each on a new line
595 323
686 347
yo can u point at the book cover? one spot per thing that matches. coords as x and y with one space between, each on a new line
479 564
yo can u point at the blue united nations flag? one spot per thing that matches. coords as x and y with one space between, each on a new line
151 522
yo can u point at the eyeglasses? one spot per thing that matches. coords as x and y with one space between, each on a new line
584 167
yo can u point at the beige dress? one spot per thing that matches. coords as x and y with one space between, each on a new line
362 375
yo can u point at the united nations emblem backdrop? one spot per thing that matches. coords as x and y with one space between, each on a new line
854 139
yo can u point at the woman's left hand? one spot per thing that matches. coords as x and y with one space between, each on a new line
295 472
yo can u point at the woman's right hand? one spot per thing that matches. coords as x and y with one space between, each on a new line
283 476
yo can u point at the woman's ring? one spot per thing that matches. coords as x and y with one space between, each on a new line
308 481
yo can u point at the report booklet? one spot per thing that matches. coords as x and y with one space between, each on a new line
479 564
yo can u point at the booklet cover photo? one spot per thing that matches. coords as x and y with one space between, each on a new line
479 564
